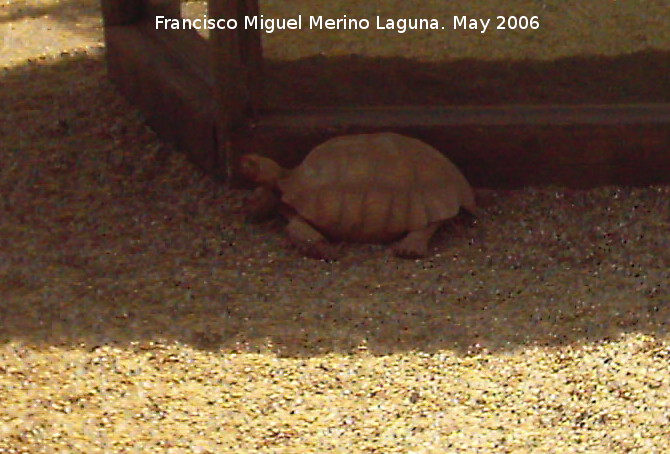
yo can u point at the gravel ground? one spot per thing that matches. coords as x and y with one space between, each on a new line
140 313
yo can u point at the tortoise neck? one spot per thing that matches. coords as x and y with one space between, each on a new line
271 173
278 174
283 173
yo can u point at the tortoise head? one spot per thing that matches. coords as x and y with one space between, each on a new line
262 171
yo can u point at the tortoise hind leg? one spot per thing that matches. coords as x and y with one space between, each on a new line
309 241
415 244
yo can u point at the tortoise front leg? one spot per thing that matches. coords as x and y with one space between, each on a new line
415 244
309 241
262 204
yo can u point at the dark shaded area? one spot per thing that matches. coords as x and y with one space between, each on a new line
642 77
157 259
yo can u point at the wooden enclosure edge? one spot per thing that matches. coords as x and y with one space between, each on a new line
500 147
206 98
174 98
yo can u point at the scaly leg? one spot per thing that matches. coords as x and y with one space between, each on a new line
309 241
415 244
262 204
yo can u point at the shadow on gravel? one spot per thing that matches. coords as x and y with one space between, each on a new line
108 236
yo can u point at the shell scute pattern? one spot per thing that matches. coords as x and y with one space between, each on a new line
375 187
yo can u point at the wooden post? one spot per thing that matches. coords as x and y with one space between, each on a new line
122 12
236 64
251 51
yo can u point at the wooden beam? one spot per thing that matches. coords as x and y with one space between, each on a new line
469 115
229 88
175 99
251 50
507 146
236 62
122 12
187 46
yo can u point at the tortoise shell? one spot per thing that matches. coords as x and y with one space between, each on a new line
375 187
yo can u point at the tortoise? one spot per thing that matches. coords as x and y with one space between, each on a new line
372 188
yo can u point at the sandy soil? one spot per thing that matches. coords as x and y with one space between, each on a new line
600 52
140 313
